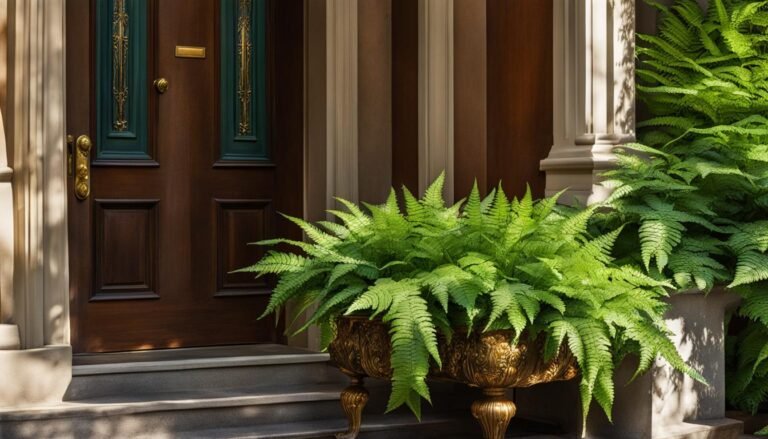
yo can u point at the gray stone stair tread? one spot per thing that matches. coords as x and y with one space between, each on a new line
374 426
323 429
192 358
178 400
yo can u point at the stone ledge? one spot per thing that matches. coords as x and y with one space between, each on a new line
724 428
9 338
37 376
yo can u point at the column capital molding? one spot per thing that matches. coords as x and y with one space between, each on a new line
594 92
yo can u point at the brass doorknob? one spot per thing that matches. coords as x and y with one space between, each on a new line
161 84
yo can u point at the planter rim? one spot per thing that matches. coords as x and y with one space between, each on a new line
459 330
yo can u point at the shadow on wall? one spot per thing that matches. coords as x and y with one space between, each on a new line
697 323
624 113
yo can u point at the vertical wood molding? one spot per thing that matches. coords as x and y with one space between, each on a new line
436 119
471 96
594 92
41 287
342 100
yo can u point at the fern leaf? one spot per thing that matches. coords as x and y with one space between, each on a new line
751 267
433 197
276 263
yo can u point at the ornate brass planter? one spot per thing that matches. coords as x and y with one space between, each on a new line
488 361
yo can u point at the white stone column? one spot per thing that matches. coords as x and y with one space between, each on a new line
436 123
38 302
6 231
37 107
9 333
594 92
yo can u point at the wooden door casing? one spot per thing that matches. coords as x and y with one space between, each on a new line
151 249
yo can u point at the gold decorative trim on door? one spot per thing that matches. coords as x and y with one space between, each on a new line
244 49
120 60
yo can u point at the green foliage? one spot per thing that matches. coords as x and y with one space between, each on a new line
747 360
694 190
701 168
495 264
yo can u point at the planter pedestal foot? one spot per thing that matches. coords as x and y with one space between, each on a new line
353 400
494 413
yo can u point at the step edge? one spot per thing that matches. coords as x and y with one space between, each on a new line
329 426
199 363
94 409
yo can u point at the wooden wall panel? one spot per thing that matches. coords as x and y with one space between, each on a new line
285 79
519 92
470 96
374 100
405 94
125 256
238 223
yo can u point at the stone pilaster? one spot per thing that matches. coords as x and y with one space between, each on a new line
594 92
6 234
34 283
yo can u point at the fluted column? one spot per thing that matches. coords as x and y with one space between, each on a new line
594 92
35 129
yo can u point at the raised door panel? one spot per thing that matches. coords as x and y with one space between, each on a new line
125 253
240 224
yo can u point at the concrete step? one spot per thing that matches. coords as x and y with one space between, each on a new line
264 391
448 425
222 367
174 414
402 426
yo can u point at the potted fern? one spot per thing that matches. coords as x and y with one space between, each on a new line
693 193
407 295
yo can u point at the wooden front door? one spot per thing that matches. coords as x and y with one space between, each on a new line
194 113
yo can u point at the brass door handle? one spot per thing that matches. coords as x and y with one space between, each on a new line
161 85
83 167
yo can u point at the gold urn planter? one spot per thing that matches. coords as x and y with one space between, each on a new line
488 361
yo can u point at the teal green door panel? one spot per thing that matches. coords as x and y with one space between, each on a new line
243 82
121 81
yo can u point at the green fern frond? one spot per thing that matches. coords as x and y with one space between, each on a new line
751 267
289 286
433 197
276 263
414 340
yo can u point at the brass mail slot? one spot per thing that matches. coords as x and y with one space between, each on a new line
190 52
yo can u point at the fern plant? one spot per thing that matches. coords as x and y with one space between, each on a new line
487 264
694 189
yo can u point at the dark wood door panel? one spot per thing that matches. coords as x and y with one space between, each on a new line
125 253
237 220
152 249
